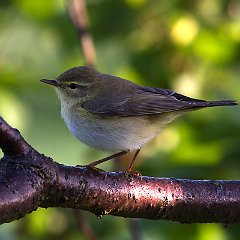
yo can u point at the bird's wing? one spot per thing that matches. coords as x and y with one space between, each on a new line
143 101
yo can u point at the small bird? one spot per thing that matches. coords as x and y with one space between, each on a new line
113 114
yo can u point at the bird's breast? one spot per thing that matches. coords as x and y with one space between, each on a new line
109 134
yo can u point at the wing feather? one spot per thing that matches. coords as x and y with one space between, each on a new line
143 101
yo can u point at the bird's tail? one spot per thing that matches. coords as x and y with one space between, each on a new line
219 103
199 104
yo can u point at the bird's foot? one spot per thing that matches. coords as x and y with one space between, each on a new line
99 170
129 175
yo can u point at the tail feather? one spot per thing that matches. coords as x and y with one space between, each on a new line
220 103
198 104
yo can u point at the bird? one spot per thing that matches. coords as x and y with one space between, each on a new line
116 115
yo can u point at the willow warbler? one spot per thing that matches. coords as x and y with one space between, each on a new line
113 114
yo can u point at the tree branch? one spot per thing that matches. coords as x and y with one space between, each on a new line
11 141
29 180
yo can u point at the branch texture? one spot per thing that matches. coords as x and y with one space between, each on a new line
29 180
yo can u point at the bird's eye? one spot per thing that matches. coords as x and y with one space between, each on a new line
73 86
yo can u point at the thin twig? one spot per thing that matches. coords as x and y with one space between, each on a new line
77 12
83 224
135 229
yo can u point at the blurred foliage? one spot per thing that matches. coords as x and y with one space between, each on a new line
189 46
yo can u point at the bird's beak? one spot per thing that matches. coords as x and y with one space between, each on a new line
51 82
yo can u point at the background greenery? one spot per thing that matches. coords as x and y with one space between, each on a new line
192 47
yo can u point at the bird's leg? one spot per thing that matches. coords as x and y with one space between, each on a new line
129 169
93 164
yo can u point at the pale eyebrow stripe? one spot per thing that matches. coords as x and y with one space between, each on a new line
80 84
